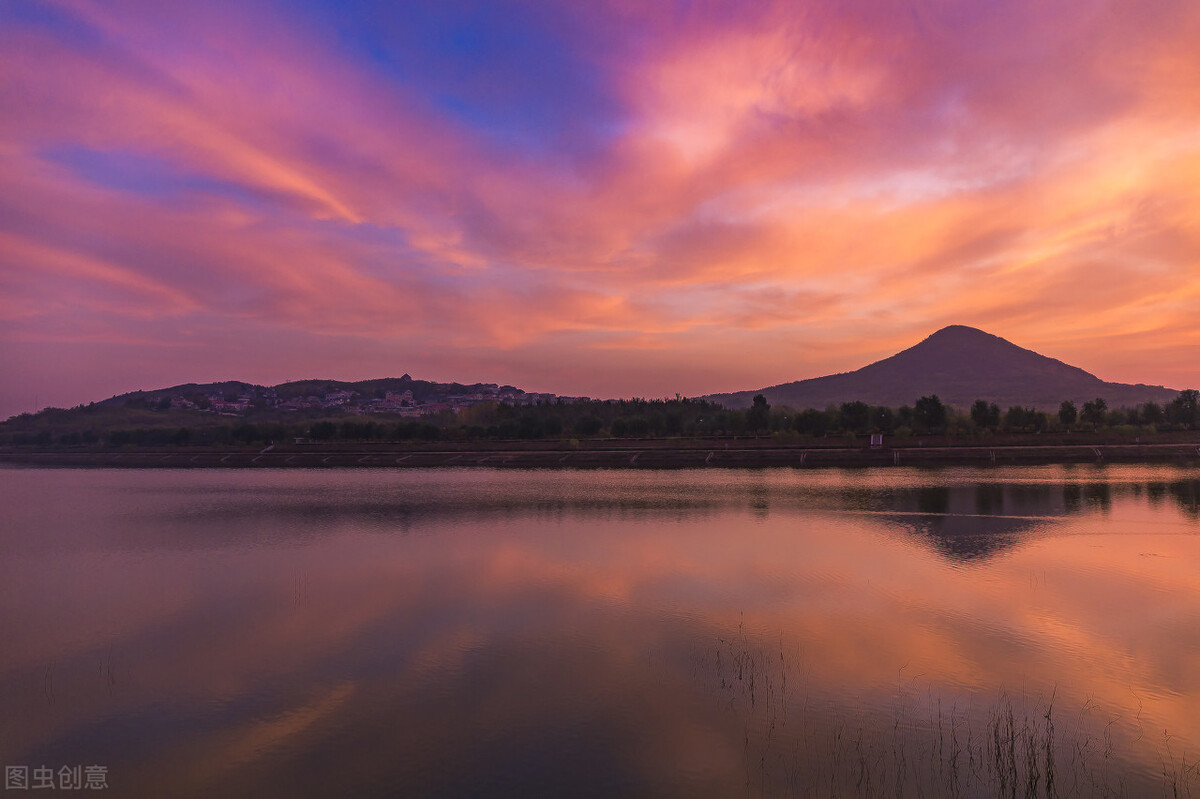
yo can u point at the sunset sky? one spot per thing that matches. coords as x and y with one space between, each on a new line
600 198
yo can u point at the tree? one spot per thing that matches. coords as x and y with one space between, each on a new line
1067 413
855 416
985 415
1184 410
1152 414
1094 412
1019 418
979 413
1014 418
674 423
588 425
731 422
529 426
930 413
758 417
812 422
322 431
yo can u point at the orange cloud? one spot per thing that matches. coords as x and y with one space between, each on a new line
834 180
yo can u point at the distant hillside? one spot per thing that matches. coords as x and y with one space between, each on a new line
199 403
960 364
232 389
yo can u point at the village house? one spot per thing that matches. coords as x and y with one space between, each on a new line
400 399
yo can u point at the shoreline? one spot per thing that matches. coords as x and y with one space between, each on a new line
632 456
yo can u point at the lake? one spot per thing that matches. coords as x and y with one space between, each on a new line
785 632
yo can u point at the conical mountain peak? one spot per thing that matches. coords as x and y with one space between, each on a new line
960 364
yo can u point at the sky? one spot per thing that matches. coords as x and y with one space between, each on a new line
608 199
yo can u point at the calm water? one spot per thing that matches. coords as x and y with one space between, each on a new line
722 633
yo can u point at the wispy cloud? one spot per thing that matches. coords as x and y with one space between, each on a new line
834 179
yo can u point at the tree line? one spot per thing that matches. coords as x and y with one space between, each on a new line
642 418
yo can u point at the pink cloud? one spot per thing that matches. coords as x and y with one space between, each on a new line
780 174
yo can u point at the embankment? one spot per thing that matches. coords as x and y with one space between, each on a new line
617 456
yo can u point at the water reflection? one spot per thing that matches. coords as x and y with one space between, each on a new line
467 633
962 514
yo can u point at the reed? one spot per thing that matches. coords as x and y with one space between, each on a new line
1012 746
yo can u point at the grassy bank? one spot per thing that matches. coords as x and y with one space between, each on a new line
654 453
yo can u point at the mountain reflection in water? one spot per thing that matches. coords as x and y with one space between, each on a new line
474 632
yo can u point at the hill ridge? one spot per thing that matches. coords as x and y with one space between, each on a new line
960 364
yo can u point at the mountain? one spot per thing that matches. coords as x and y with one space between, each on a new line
960 364
422 390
